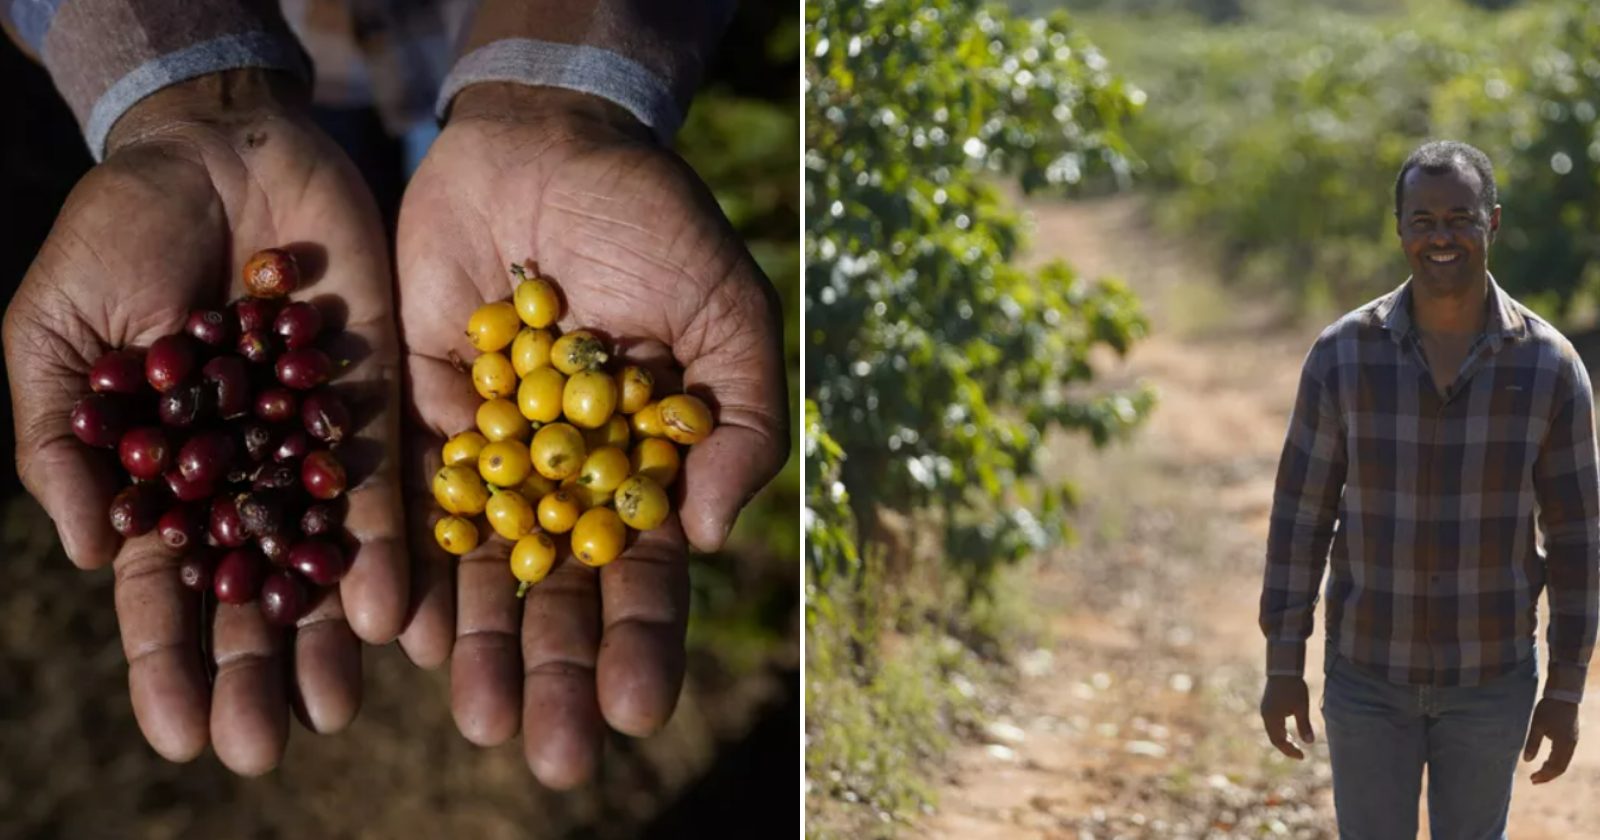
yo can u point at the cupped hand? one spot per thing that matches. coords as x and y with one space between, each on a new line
644 256
197 178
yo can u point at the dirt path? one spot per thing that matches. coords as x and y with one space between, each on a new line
1139 719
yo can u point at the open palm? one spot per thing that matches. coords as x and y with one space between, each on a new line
644 256
164 226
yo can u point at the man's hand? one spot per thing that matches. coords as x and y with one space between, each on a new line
1287 697
198 177
641 253
1558 721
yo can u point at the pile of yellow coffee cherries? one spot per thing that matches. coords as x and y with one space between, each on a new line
563 446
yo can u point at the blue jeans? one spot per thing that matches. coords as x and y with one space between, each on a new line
1381 735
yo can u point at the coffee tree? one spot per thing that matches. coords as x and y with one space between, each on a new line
936 363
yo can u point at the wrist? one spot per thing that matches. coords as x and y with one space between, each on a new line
560 111
227 102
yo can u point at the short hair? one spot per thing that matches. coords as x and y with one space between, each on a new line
1440 156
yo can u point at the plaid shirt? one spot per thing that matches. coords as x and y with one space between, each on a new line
1436 567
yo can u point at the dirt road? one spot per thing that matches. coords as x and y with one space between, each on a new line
1138 717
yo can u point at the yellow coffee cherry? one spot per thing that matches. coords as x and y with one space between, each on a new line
657 458
537 302
493 376
587 496
459 490
531 559
577 350
493 326
456 535
505 463
539 395
536 486
500 420
510 515
685 419
641 503
557 451
634 384
613 433
598 537
589 398
464 448
604 469
531 350
558 512
647 421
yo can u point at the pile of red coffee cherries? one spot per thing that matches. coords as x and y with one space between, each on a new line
228 432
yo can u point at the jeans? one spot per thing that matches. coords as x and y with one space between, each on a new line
1381 735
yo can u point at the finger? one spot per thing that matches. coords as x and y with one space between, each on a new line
342 238
1561 750
430 626
249 709
160 625
1302 717
561 721
1535 736
327 667
486 667
376 590
1279 737
645 603
47 367
738 365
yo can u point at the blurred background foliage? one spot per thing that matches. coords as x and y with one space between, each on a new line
935 364
1276 133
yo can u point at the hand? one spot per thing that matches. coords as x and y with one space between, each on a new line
1558 721
1287 697
641 252
197 178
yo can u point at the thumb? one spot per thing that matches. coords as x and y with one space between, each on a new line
743 376
74 483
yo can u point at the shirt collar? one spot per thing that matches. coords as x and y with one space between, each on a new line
1504 322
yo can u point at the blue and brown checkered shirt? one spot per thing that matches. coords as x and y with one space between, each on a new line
1430 503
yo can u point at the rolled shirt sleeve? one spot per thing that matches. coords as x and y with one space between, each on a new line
106 55
645 57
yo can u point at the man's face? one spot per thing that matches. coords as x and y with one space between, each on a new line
1444 230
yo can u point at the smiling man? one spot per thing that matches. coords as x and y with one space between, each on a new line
1434 429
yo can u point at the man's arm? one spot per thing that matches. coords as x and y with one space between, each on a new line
1311 475
1568 490
646 57
1304 505
107 55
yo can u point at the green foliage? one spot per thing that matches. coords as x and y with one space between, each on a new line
1280 139
936 364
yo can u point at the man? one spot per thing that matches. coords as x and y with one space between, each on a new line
1435 426
554 119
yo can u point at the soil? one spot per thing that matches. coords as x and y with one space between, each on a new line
1139 717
